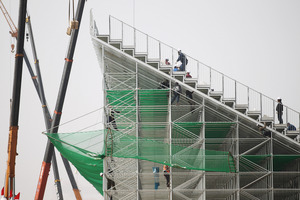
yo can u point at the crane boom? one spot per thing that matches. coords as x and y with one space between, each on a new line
14 116
13 28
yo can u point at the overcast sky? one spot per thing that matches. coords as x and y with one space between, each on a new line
256 42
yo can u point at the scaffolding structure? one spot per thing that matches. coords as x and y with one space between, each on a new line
193 134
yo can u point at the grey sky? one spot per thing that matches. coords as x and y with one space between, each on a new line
256 42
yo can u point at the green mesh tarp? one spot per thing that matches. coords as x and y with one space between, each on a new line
86 150
218 129
153 138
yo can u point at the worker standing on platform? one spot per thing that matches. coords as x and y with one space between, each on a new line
279 110
156 177
167 174
182 58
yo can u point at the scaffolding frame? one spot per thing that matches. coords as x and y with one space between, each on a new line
265 167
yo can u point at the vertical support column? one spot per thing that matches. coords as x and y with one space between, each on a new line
109 24
248 100
261 111
210 76
170 139
159 64
198 76
134 39
237 158
274 118
137 129
235 92
299 121
223 85
204 147
147 43
122 34
104 183
287 115
271 166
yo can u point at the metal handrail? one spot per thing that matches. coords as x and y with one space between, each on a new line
236 83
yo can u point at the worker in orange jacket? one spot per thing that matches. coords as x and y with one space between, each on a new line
166 169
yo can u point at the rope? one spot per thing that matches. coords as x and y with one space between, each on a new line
44 132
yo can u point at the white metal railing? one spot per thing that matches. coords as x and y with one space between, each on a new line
156 50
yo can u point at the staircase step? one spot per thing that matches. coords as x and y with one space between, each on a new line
129 51
166 69
229 102
241 108
216 95
104 38
179 75
293 134
204 88
191 82
116 43
254 114
266 119
280 127
141 57
154 64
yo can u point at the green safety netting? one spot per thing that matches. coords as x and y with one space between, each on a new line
86 150
151 139
281 161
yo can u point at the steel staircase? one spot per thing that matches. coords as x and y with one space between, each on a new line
208 80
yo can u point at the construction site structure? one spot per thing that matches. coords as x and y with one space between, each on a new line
212 142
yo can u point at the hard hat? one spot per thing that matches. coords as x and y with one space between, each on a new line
278 98
178 49
101 174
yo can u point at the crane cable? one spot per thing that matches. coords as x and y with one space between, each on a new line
69 13
72 24
73 10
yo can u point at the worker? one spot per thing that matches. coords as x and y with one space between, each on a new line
279 110
176 93
188 75
110 182
167 174
189 95
182 58
167 61
111 117
290 127
265 132
156 177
